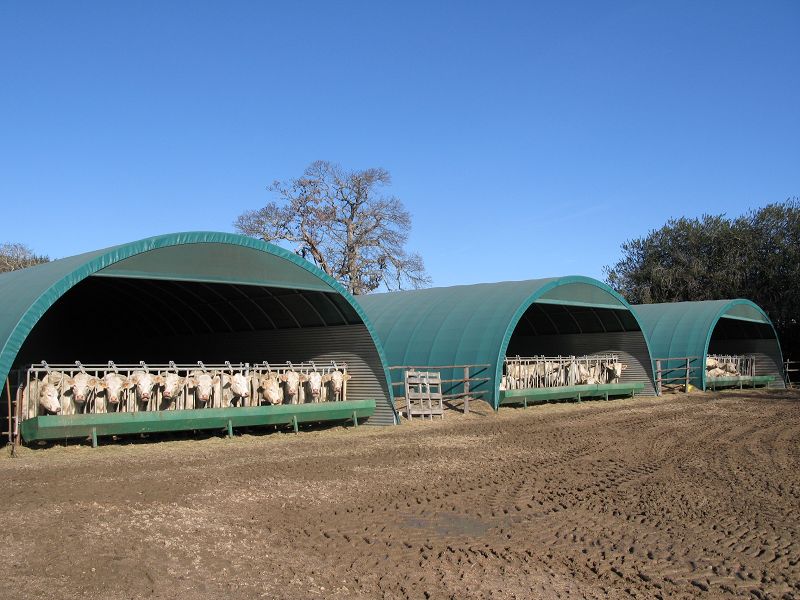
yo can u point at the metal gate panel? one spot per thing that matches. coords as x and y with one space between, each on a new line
630 345
765 351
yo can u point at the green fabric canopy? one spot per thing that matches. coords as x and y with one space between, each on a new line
684 329
210 257
473 324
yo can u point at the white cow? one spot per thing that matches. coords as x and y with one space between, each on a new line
110 390
336 381
235 390
171 385
314 381
79 388
204 385
613 371
271 389
143 385
292 381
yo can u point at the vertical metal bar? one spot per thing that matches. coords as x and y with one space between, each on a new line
94 437
355 419
686 387
294 423
466 390
230 428
658 376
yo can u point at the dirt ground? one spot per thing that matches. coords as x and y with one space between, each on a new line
683 496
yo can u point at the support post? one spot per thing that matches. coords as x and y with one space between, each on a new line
466 390
355 419
94 437
230 428
294 423
688 371
658 377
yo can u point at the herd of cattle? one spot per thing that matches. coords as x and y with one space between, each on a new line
543 371
718 365
58 391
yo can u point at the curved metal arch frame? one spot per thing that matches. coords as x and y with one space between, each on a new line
94 263
524 306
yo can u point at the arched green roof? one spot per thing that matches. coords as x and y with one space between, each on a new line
472 324
26 295
684 329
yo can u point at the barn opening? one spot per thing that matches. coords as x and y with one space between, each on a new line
193 297
744 333
580 320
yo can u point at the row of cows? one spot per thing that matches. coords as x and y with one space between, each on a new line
86 390
718 365
546 372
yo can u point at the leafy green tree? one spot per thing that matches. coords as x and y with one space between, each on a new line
755 256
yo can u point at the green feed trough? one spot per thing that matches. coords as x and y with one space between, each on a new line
55 427
570 392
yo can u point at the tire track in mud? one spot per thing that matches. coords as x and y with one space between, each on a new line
687 496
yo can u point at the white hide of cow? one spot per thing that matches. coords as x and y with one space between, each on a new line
143 384
613 371
235 390
271 389
109 390
39 399
203 384
77 393
292 381
711 362
171 386
314 382
336 380
48 399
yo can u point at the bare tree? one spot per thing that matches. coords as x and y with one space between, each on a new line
15 256
341 222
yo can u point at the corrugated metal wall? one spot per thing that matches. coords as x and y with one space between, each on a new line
351 344
766 352
635 353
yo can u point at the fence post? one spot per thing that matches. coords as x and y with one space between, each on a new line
658 376
686 387
466 390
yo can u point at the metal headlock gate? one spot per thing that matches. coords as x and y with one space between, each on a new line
539 379
734 371
130 415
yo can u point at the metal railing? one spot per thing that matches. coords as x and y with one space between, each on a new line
455 388
730 365
789 367
524 372
61 375
676 371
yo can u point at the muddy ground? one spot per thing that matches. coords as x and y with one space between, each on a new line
684 496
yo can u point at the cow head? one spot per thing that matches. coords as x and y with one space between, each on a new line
203 383
80 385
271 388
171 384
144 383
337 379
314 385
113 384
292 380
239 385
48 399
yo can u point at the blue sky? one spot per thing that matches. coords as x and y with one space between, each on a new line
527 139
